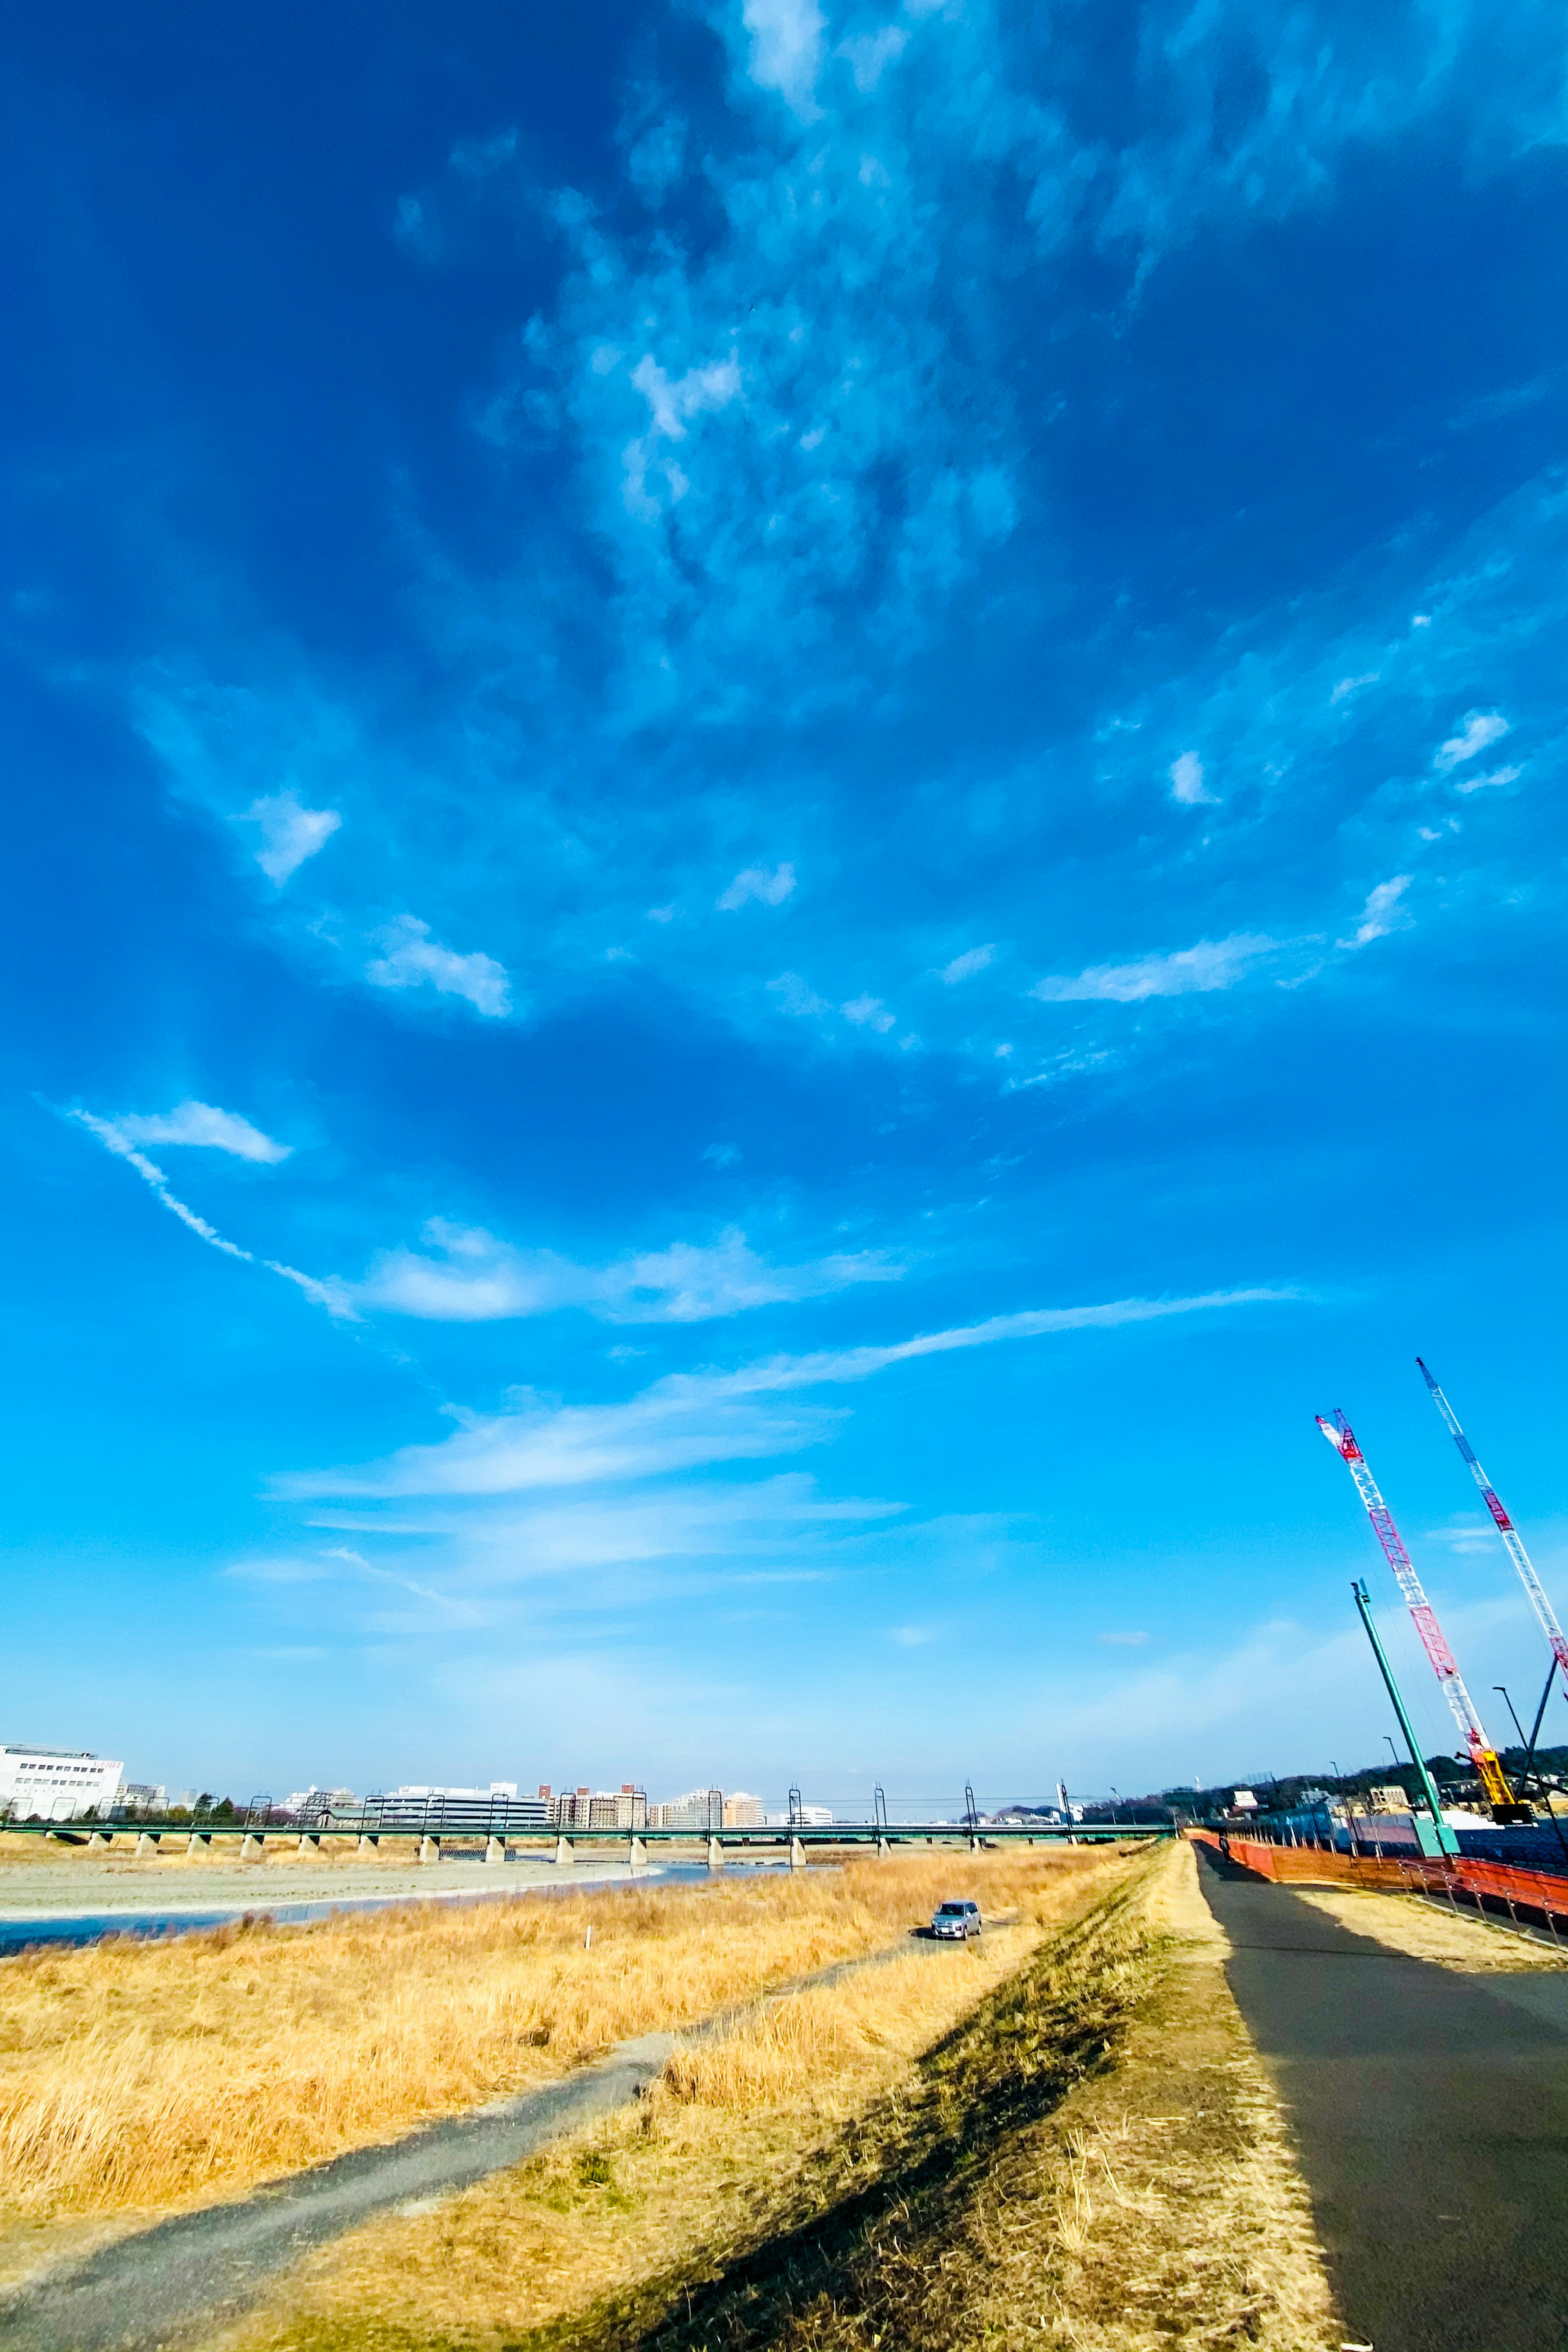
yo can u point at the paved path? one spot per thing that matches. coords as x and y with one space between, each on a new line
1430 2113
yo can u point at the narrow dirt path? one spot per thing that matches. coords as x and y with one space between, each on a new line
1430 2113
149 2290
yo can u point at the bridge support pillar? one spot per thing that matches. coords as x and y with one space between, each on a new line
196 1844
796 1854
637 1854
146 1843
564 1849
250 1847
495 1849
883 1849
367 1845
715 1854
98 1843
309 1843
429 1849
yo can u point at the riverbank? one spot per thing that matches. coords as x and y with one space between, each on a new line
85 1899
140 2078
1063 2139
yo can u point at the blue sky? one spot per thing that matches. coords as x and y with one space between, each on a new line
783 852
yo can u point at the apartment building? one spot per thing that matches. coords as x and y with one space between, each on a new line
700 1808
625 1808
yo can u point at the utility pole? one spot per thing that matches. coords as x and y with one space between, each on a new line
1439 1838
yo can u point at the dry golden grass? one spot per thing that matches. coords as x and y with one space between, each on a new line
700 2163
1410 1923
138 2076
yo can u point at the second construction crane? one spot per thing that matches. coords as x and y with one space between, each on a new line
1482 1754
1513 1541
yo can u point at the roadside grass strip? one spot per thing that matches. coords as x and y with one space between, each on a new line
1426 1929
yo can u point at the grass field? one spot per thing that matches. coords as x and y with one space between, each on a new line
1061 2139
142 2076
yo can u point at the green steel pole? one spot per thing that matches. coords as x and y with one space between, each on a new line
1447 1841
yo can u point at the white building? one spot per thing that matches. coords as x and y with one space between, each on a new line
55 1784
700 1808
140 1799
496 1788
319 1801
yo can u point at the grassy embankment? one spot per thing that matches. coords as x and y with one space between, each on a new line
138 2077
1064 2139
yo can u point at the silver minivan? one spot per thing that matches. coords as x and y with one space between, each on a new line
957 1920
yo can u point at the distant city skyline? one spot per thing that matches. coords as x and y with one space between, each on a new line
784 851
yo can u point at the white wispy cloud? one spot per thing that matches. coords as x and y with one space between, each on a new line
771 889
110 1137
652 480
1470 1536
787 49
868 1013
475 1278
964 967
797 997
1382 913
114 1135
1495 776
1212 964
1479 731
202 1124
815 332
290 832
1187 782
1346 687
414 960
694 1418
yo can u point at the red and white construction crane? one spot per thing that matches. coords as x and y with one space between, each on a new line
1481 1752
1506 1528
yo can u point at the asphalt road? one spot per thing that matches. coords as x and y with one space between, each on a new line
1430 2114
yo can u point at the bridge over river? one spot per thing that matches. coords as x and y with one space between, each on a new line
798 1843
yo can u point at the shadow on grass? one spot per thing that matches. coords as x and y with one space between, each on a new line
852 2254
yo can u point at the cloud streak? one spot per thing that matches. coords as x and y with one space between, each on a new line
114 1137
414 960
476 1278
1212 965
691 1419
290 832
201 1124
756 882
1480 730
1187 782
1382 913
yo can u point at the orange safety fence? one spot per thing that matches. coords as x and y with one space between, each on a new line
1538 1890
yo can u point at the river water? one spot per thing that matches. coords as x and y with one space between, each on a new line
22 1931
